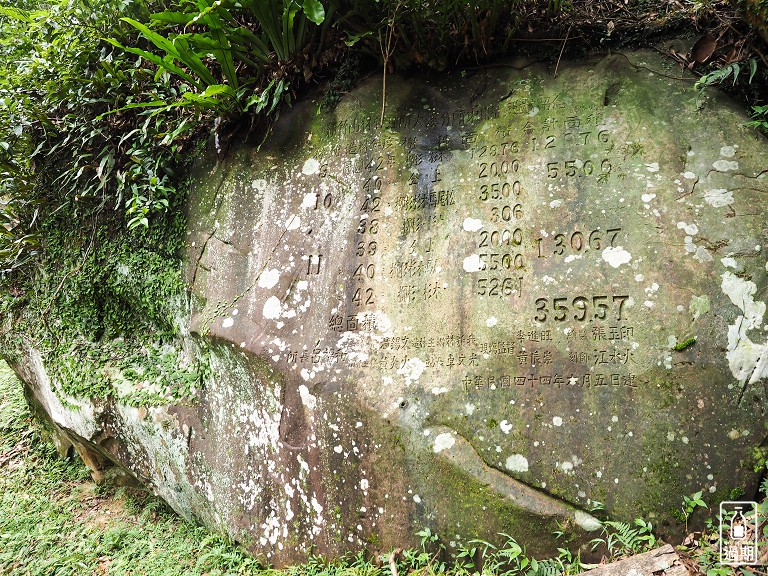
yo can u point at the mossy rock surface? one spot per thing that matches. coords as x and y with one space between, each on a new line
516 296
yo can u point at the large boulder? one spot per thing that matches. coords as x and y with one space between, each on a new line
514 298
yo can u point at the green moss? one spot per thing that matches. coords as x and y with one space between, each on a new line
676 513
680 346
104 309
736 493
760 458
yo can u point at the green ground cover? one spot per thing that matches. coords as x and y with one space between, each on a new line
55 520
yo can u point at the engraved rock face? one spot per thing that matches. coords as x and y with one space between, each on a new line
535 294
518 296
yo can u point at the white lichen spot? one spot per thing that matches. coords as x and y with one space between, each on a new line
614 418
472 224
307 374
417 498
587 521
271 310
689 175
307 399
517 463
491 321
725 165
469 409
311 166
269 278
293 223
473 263
653 167
505 426
443 441
412 370
338 449
728 151
647 197
703 255
616 256
748 361
364 484
639 278
718 197
557 421
437 390
741 293
728 262
228 322
556 203
734 434
691 229
309 200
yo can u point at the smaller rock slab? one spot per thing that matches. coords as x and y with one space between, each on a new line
662 561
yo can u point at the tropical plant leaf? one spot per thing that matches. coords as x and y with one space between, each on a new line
157 39
352 40
192 60
158 61
173 17
223 56
314 11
